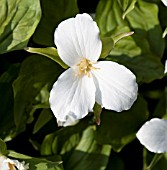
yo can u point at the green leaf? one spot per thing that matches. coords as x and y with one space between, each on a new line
19 19
147 33
44 117
7 126
54 11
146 68
107 46
37 163
121 36
152 161
3 148
78 147
49 52
126 46
88 154
37 73
109 16
149 28
127 6
119 129
58 142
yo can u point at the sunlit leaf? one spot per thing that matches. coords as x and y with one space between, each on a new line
78 147
49 52
147 32
58 142
88 154
121 36
18 22
127 6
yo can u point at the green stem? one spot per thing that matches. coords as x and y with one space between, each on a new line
154 161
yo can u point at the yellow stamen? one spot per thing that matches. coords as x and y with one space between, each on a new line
11 166
85 66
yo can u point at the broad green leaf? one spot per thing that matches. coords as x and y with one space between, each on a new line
7 126
146 68
58 142
148 28
147 32
127 6
37 163
49 52
119 129
44 117
3 148
88 154
37 73
18 21
78 147
109 16
54 11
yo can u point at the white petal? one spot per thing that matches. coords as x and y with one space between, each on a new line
3 163
165 2
21 165
78 38
165 67
153 135
72 95
70 121
116 86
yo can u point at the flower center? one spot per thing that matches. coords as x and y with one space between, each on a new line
85 66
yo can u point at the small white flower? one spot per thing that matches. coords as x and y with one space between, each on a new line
153 135
10 164
73 95
165 2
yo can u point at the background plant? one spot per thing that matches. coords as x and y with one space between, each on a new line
27 125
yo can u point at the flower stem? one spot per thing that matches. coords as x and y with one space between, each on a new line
154 161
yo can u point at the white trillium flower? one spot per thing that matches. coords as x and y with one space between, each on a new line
153 135
10 164
73 95
165 2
